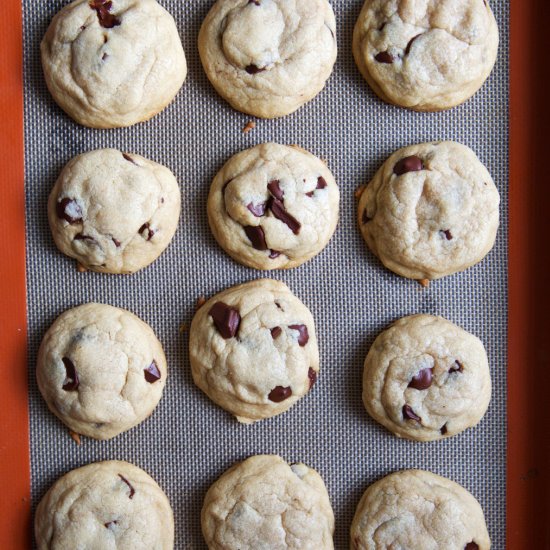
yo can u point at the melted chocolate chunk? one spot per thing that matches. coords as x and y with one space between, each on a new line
226 319
68 210
409 414
129 158
321 184
312 375
132 490
274 254
257 209
117 243
408 48
278 210
447 234
275 190
303 337
276 332
443 429
71 382
146 232
279 393
256 236
471 546
422 380
457 366
408 164
384 57
253 69
152 372
102 7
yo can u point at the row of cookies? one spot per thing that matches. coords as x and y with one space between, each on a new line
253 351
430 210
114 63
262 502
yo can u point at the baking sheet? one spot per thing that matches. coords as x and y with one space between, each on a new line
189 442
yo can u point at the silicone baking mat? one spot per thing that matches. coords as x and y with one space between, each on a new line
188 442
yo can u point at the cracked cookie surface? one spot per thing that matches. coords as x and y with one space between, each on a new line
264 503
111 505
114 212
101 370
425 55
417 509
273 206
425 378
268 57
253 349
431 210
113 63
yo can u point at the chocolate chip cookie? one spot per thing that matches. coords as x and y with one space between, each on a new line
263 503
268 57
253 349
101 370
110 504
112 63
114 212
273 206
426 378
415 509
429 55
431 210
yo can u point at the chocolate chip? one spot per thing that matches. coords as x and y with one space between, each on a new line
129 158
102 7
226 319
108 525
276 332
152 372
443 429
384 57
279 393
312 375
274 254
409 414
447 234
257 209
422 380
303 337
471 546
132 490
117 243
275 190
321 184
408 164
256 236
278 210
408 48
253 69
71 381
69 210
365 218
146 232
82 237
457 366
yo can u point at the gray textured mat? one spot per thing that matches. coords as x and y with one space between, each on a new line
189 442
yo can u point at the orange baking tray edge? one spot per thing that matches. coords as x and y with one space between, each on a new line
528 455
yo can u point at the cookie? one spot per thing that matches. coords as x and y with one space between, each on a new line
253 349
426 378
273 206
101 370
114 212
415 509
113 63
268 57
426 56
265 504
431 210
110 504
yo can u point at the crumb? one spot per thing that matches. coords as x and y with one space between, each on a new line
250 125
359 191
200 302
80 268
424 282
75 437
184 327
